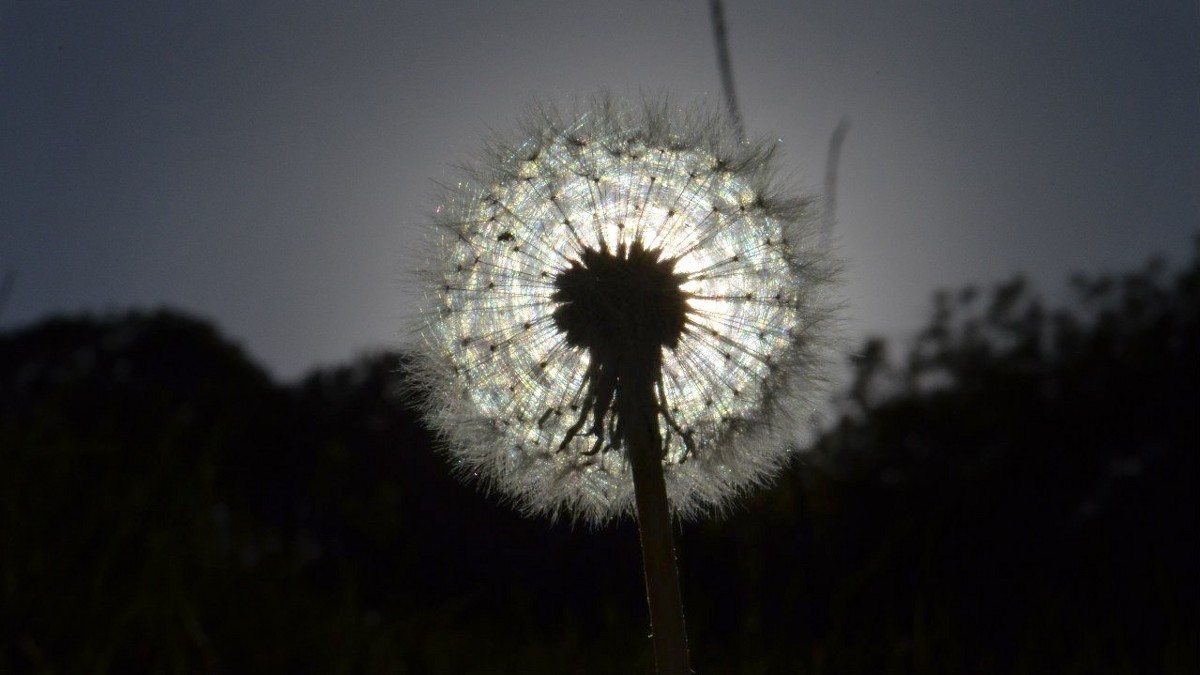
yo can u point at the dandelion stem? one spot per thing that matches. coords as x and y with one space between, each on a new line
643 443
832 158
722 41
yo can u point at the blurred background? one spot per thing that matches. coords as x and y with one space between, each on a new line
207 218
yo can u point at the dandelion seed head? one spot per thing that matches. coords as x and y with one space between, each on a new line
603 229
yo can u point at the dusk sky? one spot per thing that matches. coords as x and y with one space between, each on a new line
271 165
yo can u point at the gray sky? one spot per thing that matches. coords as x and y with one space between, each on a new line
270 164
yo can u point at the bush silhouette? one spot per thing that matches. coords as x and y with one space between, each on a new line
1014 493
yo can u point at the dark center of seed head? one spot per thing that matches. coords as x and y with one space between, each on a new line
623 306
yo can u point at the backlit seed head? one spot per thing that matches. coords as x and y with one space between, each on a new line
623 239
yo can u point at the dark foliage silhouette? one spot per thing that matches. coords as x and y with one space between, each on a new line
1016 494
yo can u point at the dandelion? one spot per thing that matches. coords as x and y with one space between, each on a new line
625 315
623 230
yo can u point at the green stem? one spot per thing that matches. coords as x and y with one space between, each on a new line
643 443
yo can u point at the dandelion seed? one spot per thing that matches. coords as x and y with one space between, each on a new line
615 241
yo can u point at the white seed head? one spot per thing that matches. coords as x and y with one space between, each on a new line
522 408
